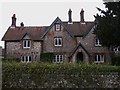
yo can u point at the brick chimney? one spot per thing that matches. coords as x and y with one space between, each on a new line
70 16
13 21
82 16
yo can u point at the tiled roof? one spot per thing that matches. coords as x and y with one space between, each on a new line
17 33
36 33
77 28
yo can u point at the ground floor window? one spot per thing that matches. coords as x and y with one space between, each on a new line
58 59
26 59
99 58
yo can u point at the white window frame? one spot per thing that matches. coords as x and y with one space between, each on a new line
28 44
101 56
56 41
58 27
97 42
28 59
116 49
58 59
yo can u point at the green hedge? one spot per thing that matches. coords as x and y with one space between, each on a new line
47 57
116 60
19 75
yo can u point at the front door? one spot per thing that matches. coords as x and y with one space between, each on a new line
79 57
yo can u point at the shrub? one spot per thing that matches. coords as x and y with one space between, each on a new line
47 75
47 57
115 60
11 60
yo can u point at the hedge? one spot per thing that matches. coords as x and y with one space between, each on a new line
46 75
47 57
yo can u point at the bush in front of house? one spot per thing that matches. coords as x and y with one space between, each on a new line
46 57
115 60
47 75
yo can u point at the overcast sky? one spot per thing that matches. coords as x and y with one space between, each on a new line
43 13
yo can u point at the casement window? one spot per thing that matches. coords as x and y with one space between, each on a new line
57 41
26 43
116 49
26 59
99 58
58 59
97 42
58 27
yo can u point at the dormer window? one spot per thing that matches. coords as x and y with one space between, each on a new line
26 43
97 42
58 27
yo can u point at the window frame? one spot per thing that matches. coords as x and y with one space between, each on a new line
57 42
101 57
116 49
26 59
28 44
97 42
56 27
58 58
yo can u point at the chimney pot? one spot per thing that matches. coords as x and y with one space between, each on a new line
13 21
82 16
22 24
70 16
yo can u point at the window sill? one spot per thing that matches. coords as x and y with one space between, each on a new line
58 45
98 62
26 47
98 45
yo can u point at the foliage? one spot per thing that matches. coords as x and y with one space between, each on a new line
47 57
108 24
116 60
48 75
10 59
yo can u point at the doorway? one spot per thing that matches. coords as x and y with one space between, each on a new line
79 57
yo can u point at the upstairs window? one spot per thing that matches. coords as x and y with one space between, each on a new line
116 49
99 58
26 43
58 59
26 59
57 41
58 27
97 42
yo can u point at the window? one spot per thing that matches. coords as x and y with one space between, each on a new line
58 59
26 44
57 27
99 58
97 42
116 49
57 41
26 59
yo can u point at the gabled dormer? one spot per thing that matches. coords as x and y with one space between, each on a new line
26 41
56 27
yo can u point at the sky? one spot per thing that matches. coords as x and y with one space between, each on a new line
44 12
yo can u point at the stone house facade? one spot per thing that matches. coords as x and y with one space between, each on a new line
68 41
1 55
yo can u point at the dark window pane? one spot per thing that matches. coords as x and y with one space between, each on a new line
28 44
24 43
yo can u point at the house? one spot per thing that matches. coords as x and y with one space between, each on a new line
1 53
69 41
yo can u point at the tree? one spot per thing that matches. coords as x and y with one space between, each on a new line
108 25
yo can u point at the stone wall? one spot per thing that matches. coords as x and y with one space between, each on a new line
0 52
16 50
